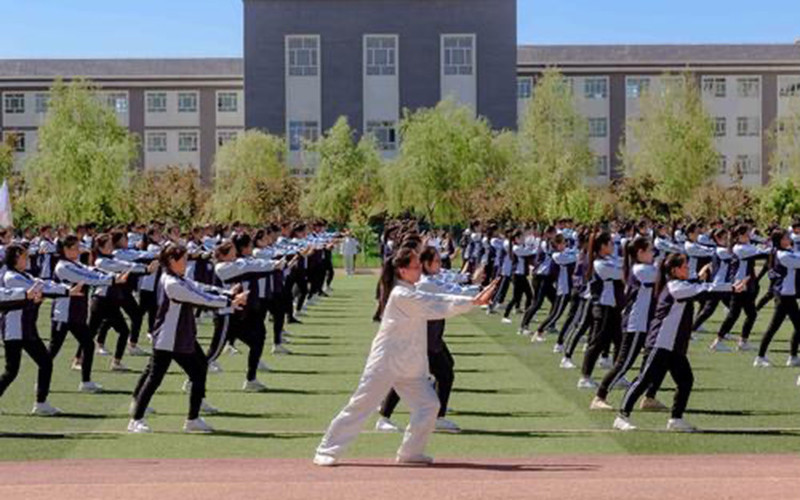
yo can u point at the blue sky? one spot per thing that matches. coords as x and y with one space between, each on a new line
187 28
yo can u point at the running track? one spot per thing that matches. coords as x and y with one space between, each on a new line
567 477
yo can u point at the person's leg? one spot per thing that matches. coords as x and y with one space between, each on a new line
681 372
423 404
118 323
555 313
39 354
135 313
516 296
148 368
81 333
706 312
632 343
220 336
654 368
750 313
598 339
574 303
344 428
732 316
794 316
389 404
765 299
160 362
58 333
781 310
538 301
13 350
196 368
582 325
441 367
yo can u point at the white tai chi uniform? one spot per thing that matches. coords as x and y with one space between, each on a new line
398 359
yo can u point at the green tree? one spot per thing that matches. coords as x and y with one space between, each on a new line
672 141
250 178
80 171
175 194
347 184
554 153
6 161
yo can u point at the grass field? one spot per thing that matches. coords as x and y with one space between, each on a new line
510 397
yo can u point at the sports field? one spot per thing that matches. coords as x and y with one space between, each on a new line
510 397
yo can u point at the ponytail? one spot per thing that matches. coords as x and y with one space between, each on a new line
596 241
631 252
668 266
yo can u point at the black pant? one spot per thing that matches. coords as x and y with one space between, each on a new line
572 314
58 333
746 302
500 294
275 307
631 345
606 329
327 266
784 306
104 310
521 287
709 306
38 353
301 281
581 325
250 329
544 289
148 305
441 365
763 301
562 301
195 366
657 365
222 324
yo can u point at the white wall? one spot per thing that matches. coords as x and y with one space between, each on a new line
231 118
462 88
171 117
172 156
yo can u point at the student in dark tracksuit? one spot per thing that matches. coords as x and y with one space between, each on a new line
175 338
784 264
608 299
520 255
641 277
543 281
668 338
440 361
562 267
721 272
575 301
20 297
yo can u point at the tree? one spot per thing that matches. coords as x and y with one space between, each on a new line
174 193
80 171
6 161
446 157
555 156
347 184
251 178
672 141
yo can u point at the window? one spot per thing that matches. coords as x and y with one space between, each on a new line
117 102
14 104
385 134
790 89
601 165
595 88
187 142
723 164
381 55
227 102
41 103
16 140
157 102
748 164
225 136
524 87
459 52
720 126
156 142
301 132
598 127
715 87
187 102
748 87
635 87
303 55
748 126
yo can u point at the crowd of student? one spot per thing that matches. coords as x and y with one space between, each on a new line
160 279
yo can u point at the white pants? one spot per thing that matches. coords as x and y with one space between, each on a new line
418 395
350 264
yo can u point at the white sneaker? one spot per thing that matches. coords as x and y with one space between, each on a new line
761 362
744 345
324 460
385 425
415 460
558 348
798 381
793 361
76 366
538 338
101 351
135 350
600 404
214 367
231 350
623 424
279 350
444 425
586 383
287 340
90 387
187 386
198 426
680 425
117 366
490 310
253 386
506 321
207 408
524 331
139 427
45 410
263 367
605 363
567 364
622 383
720 346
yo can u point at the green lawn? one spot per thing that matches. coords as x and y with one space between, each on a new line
510 396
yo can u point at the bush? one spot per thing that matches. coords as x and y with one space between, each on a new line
175 194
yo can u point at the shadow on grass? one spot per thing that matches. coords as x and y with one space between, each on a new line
485 467
53 436
742 413
515 433
260 435
474 390
510 414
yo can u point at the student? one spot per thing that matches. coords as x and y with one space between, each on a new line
563 266
503 269
175 338
721 272
70 313
575 300
520 255
440 361
21 296
349 249
273 301
784 263
543 281
640 275
669 336
607 300
399 359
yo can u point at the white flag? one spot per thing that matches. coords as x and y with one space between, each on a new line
6 220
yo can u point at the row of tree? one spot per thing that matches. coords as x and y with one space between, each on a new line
450 167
